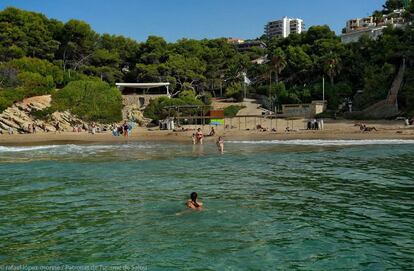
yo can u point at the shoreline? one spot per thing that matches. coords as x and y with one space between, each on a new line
144 135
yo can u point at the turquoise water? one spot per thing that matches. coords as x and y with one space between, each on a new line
297 205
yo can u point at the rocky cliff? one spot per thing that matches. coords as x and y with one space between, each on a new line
19 117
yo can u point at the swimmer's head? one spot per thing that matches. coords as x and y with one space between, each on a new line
193 196
198 129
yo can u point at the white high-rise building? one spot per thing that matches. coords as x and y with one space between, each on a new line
284 27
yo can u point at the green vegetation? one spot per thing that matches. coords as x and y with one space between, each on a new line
9 96
26 77
235 91
42 114
39 55
232 110
157 110
89 100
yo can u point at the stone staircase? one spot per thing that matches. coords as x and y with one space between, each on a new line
388 107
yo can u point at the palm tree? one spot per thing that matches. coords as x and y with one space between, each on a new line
277 64
332 66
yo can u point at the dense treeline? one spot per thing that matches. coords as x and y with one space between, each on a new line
39 55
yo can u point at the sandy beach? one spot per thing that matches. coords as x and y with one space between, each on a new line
333 130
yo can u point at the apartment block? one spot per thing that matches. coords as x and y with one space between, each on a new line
284 27
371 27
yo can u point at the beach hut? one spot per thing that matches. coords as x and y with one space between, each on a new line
140 94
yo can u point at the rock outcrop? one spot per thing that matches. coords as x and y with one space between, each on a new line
18 117
134 113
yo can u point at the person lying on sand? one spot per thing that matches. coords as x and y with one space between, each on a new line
288 129
261 128
192 203
368 129
182 130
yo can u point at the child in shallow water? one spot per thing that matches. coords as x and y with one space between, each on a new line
220 144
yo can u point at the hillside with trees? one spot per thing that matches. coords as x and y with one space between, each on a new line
39 55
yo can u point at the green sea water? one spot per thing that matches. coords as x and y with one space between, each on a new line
281 205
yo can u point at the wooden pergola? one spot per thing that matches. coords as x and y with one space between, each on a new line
147 86
199 108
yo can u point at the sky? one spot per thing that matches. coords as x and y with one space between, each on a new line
196 19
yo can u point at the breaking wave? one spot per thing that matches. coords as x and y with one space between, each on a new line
72 148
310 142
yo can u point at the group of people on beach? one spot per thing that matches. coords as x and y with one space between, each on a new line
364 128
9 131
93 128
197 138
124 129
315 124
31 128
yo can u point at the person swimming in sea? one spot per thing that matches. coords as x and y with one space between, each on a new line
193 203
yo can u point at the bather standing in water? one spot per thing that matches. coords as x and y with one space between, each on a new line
199 136
220 144
192 203
125 128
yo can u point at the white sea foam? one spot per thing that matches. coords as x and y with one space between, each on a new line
93 149
311 142
72 148
29 148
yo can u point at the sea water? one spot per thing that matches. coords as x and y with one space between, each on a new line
269 205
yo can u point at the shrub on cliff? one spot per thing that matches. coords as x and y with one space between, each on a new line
90 100
27 77
9 96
